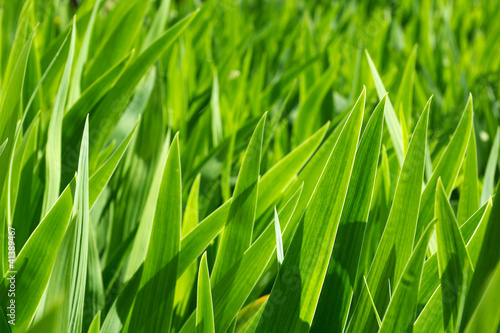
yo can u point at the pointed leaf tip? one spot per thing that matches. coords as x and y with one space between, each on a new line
279 242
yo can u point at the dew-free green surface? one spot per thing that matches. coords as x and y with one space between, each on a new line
249 166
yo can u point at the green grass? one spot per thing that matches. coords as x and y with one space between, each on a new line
249 166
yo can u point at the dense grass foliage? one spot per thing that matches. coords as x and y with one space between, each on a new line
249 166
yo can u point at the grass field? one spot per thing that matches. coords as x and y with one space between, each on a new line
249 166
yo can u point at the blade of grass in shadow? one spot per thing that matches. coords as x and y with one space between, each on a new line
90 97
400 314
486 317
487 261
119 311
453 258
307 115
447 168
431 316
472 232
112 105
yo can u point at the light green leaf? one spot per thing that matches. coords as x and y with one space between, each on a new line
75 84
94 290
199 238
117 41
186 281
33 265
9 104
80 244
217 134
204 308
469 192
249 316
491 167
279 241
158 24
404 98
275 180
2 147
472 232
390 115
153 306
53 149
94 326
102 175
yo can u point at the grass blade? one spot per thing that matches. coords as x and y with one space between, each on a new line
400 314
453 258
390 115
342 273
399 232
153 306
491 167
53 151
237 235
35 261
447 168
314 237
469 192
204 308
